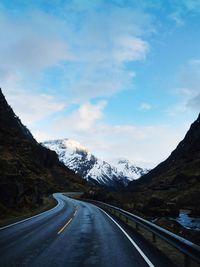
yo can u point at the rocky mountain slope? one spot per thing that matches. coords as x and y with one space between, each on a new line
78 158
28 171
129 170
175 183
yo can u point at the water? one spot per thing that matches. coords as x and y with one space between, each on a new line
188 222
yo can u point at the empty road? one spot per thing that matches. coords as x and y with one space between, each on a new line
74 234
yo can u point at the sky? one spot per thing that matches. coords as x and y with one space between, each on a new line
121 77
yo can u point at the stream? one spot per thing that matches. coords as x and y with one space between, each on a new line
188 222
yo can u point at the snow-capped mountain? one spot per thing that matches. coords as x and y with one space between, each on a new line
81 160
129 170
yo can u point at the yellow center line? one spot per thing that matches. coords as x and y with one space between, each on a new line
67 223
63 228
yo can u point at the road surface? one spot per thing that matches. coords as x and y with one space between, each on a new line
74 234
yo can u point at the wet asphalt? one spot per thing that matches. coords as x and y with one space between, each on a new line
73 234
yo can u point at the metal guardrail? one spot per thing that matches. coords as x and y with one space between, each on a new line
183 252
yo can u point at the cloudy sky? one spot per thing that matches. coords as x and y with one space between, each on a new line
121 77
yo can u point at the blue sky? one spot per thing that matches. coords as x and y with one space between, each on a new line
121 77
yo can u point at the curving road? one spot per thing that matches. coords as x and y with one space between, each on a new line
74 234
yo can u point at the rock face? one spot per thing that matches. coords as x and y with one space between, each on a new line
96 171
28 170
176 181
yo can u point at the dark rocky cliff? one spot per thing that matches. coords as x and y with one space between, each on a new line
28 171
175 183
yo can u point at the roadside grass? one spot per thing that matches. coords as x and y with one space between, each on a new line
15 216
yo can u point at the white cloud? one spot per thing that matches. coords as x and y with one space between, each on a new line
90 48
130 49
177 18
83 119
195 62
30 44
184 91
91 51
97 80
188 91
195 102
141 144
145 106
148 144
104 43
190 78
40 136
31 107
181 10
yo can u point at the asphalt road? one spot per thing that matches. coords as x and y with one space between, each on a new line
74 234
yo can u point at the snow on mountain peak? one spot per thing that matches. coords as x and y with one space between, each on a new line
78 158
132 171
68 144
73 144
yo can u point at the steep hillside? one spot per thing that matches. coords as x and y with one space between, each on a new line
96 171
175 183
28 171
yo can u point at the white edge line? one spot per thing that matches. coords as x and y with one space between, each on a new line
131 240
27 219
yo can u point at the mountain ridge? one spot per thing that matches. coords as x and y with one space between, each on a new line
175 183
97 171
28 170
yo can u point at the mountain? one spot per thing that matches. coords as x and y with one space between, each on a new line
129 170
99 172
28 171
175 183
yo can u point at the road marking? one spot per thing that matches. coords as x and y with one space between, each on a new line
75 213
67 223
63 228
35 216
131 240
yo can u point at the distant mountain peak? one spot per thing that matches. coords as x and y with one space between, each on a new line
122 160
68 144
81 160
